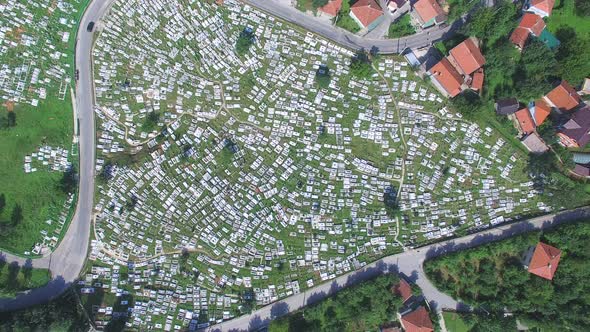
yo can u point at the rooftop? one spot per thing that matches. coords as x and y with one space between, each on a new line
545 260
467 56
366 11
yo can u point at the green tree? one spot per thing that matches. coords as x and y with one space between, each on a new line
573 56
245 40
69 180
537 70
489 24
17 215
2 203
11 119
360 65
582 7
319 3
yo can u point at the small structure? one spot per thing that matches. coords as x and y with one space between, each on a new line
563 97
542 8
506 106
535 144
417 321
540 110
446 78
585 90
394 5
403 289
525 122
366 13
544 261
427 13
575 133
331 8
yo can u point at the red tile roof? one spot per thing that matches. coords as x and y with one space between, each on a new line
332 7
366 11
477 82
417 321
525 121
447 76
532 22
564 97
545 260
428 9
403 289
467 56
542 111
544 5
519 37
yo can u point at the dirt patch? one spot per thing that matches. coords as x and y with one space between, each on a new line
9 106
15 34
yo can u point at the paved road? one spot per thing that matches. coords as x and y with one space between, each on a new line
67 260
350 40
408 263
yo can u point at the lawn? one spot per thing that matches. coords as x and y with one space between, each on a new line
401 28
344 21
14 278
564 14
455 323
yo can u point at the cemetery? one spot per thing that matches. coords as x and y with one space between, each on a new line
230 181
37 40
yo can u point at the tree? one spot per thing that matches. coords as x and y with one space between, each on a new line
582 7
319 3
573 56
151 121
492 23
322 77
2 203
468 104
17 215
360 65
537 70
11 119
245 40
69 180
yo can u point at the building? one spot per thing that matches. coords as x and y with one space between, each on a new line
366 13
544 261
506 106
467 57
529 24
576 132
540 110
542 8
446 78
427 13
525 122
585 90
563 97
417 321
332 8
394 5
403 289
535 144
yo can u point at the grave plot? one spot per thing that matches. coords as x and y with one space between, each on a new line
232 179
36 79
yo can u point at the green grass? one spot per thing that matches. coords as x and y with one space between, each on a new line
344 21
454 323
401 28
14 278
564 14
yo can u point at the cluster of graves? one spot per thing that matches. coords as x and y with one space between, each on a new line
48 158
230 182
51 234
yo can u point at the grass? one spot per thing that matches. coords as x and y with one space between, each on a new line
401 28
454 323
344 21
14 278
564 13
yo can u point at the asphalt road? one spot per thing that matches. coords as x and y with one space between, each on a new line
408 263
66 262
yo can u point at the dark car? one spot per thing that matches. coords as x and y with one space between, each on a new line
90 27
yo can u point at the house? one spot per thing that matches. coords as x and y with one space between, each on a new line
427 13
417 321
576 132
366 13
544 261
477 81
534 143
542 8
563 97
467 57
529 24
446 78
331 8
540 110
526 125
403 289
582 170
506 106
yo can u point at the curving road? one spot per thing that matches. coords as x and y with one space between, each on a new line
408 263
66 262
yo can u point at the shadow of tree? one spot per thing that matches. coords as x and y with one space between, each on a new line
279 309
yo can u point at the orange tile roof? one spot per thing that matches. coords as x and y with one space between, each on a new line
542 111
428 9
332 7
544 5
467 56
564 97
445 74
525 121
545 260
417 321
403 289
477 82
532 22
519 36
366 11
